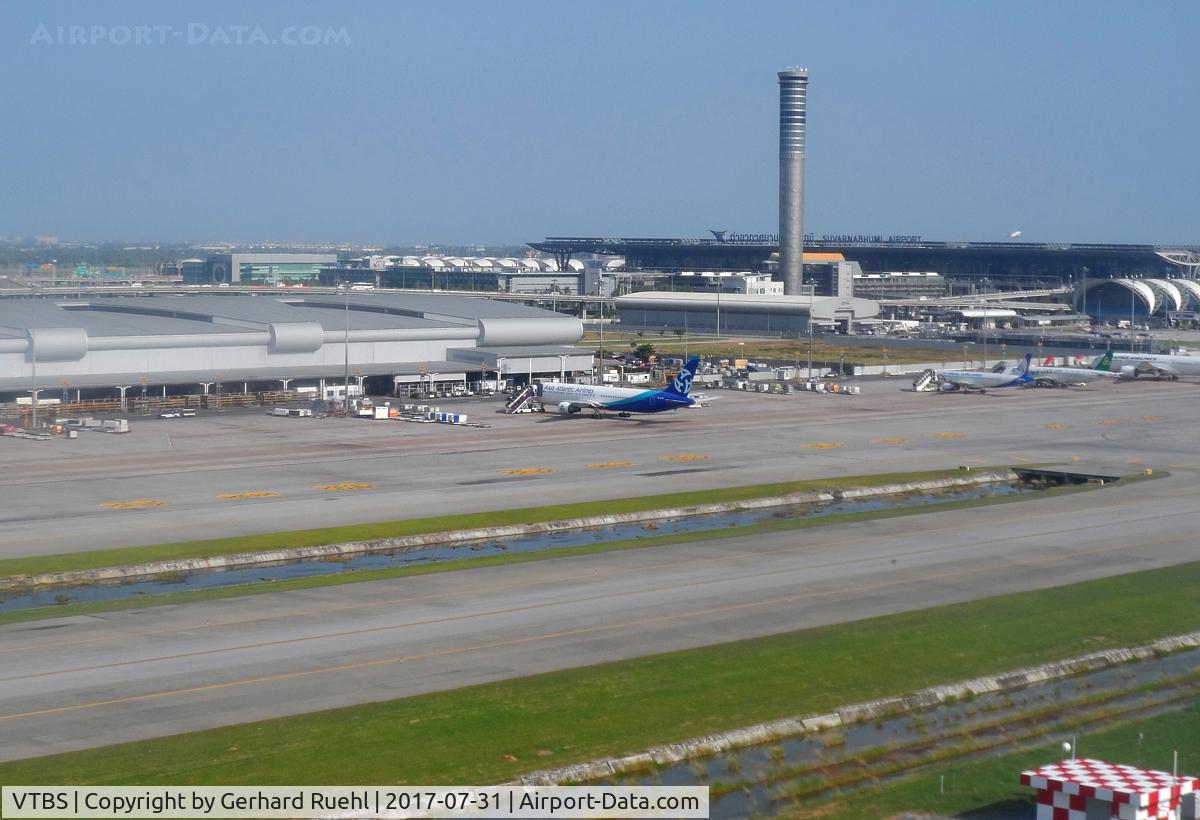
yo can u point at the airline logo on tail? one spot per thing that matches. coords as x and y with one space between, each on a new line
683 382
1104 362
1024 368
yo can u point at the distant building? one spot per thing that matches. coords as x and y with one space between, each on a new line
900 285
1001 265
781 315
259 268
506 275
193 270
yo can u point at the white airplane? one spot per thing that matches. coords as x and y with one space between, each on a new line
984 380
1154 365
1051 376
569 399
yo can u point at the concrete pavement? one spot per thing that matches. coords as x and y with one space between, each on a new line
240 473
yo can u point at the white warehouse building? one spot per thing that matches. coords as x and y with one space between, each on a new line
185 341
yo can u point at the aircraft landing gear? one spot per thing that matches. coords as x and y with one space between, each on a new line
624 415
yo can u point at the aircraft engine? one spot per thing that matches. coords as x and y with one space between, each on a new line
565 408
1128 372
947 387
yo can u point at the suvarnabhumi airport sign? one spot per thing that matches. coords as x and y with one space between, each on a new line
359 801
843 238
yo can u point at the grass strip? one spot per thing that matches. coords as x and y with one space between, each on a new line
383 573
991 787
787 350
124 556
493 732
1001 736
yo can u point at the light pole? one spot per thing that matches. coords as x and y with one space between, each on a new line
1131 336
346 348
718 310
33 360
812 293
985 338
600 296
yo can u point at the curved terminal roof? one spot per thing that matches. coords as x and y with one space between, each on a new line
1190 288
98 341
1154 295
1170 296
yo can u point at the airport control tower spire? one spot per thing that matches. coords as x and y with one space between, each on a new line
793 104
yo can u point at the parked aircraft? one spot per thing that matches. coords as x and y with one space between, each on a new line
569 399
1051 376
983 380
1153 365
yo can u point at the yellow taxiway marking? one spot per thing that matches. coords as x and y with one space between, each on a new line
824 445
133 504
250 494
612 465
889 440
528 471
684 457
1076 458
582 630
945 435
1110 422
1017 457
1151 418
345 485
1056 425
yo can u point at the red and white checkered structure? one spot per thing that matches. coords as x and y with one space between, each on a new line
1063 790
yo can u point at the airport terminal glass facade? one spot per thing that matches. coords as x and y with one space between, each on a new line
271 272
261 268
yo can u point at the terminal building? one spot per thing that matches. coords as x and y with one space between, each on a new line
772 314
186 344
255 268
525 275
966 266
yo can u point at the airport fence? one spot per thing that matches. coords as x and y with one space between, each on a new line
148 405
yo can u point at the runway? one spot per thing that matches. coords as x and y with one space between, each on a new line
230 473
90 681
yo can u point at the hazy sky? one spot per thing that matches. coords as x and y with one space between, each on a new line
509 121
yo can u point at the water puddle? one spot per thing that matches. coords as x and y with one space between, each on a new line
755 781
304 568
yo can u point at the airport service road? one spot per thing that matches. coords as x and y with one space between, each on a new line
302 473
89 681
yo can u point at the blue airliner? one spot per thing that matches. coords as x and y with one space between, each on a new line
568 399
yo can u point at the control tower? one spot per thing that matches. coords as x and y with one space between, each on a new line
793 106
